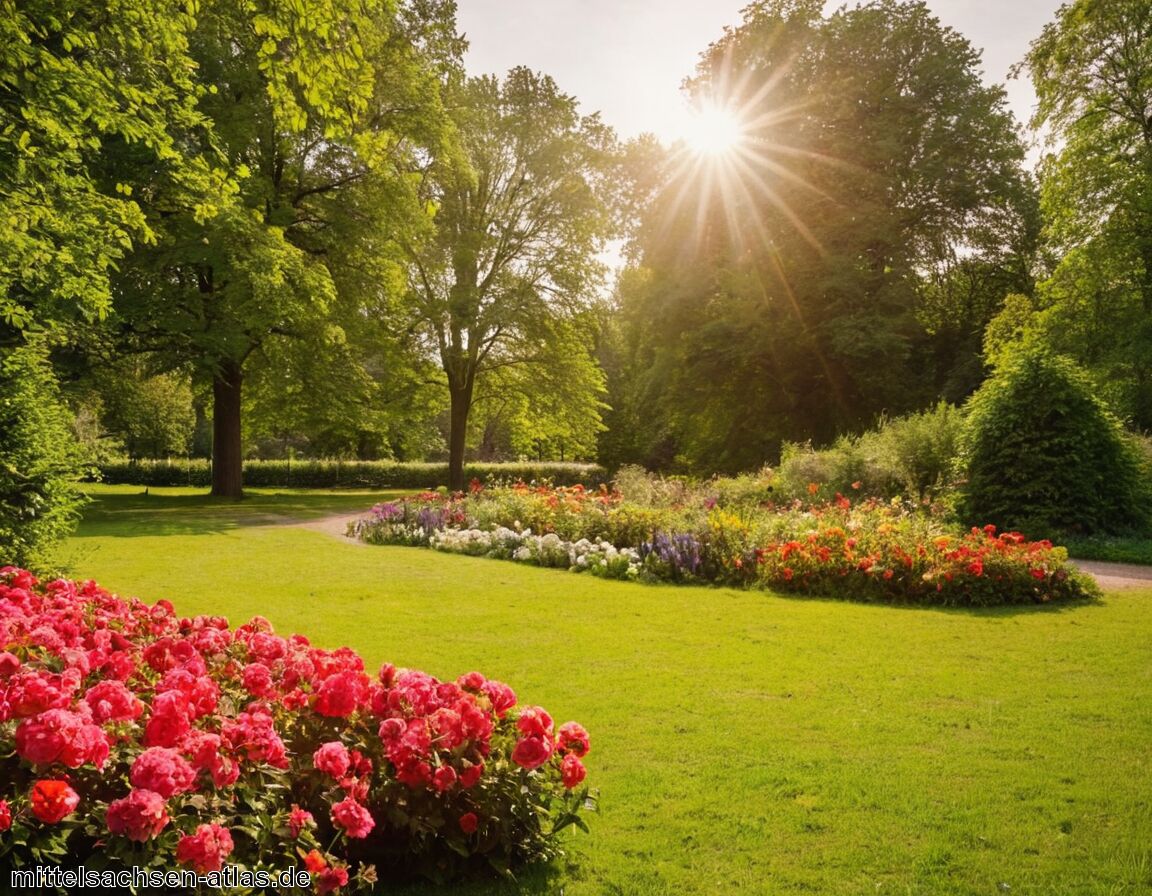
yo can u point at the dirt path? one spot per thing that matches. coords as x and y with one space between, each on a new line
335 526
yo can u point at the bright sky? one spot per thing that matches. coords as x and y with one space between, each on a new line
627 58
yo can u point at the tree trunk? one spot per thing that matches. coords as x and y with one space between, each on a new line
461 396
227 460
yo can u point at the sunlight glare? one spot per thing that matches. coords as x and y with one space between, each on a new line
714 131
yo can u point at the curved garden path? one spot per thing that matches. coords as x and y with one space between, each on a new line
1109 575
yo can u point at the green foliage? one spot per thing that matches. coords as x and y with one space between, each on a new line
506 276
39 459
912 456
844 260
151 414
341 474
1092 72
1043 453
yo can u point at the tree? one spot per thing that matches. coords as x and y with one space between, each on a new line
319 111
520 215
791 280
76 78
1092 71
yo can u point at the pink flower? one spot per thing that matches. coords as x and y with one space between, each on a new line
331 879
111 701
58 735
53 800
139 816
353 819
573 739
257 679
205 850
532 752
164 771
534 722
471 775
572 771
298 819
5 816
472 681
170 721
469 822
340 694
332 758
503 697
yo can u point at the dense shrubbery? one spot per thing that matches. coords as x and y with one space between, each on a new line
132 737
341 473
39 458
718 532
1043 452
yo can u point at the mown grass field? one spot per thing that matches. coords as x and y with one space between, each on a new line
742 742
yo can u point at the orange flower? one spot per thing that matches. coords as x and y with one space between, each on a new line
53 800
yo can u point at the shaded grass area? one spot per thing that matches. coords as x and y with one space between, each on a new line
743 742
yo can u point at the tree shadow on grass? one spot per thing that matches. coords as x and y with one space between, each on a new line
148 514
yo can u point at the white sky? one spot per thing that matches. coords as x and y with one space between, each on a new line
627 58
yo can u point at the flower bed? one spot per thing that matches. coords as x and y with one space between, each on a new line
864 550
130 736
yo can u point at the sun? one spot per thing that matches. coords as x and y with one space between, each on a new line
714 131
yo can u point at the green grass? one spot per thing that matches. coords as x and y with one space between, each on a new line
1117 549
743 742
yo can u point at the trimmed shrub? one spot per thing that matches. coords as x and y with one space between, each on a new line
197 472
130 736
40 459
1044 454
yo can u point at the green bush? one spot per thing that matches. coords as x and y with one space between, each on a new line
39 459
1043 454
341 474
912 456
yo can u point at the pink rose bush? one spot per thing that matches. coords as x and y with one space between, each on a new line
137 736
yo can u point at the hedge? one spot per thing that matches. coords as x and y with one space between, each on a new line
342 474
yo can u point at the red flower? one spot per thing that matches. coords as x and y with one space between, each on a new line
471 775
53 800
332 758
298 819
315 862
111 701
443 778
5 816
572 771
139 816
340 694
469 822
573 739
164 771
331 880
1037 574
532 752
353 819
534 722
205 850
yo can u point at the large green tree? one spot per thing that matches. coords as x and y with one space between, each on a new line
788 283
1092 71
320 111
78 78
520 216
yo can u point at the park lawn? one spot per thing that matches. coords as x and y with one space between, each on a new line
743 742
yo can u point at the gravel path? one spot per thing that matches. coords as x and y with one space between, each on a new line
335 526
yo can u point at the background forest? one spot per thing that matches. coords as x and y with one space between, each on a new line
283 230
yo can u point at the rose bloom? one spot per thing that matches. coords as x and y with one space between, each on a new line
163 770
471 775
469 822
205 850
5 816
53 800
340 694
111 701
139 816
572 771
332 758
532 752
534 721
315 862
573 739
298 819
503 697
331 880
443 778
353 819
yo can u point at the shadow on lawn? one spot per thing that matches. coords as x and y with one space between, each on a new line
149 514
